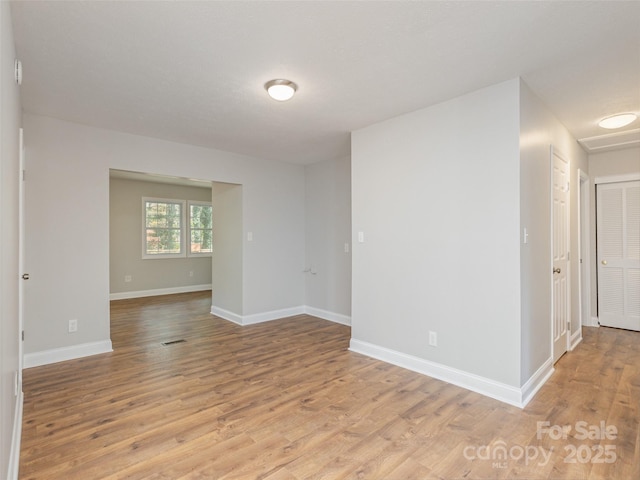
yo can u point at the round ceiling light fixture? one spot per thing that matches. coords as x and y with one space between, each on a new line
280 89
617 121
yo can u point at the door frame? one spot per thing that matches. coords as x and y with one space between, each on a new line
584 250
21 257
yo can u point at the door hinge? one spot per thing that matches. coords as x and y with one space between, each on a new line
568 255
24 175
23 335
568 325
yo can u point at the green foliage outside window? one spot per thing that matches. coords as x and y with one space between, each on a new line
201 228
163 221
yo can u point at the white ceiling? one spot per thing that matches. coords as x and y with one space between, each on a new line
193 72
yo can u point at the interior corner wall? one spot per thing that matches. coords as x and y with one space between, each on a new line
435 194
227 268
539 129
328 230
10 120
125 244
67 222
604 164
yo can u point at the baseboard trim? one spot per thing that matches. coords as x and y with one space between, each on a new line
16 440
575 339
256 317
594 322
327 315
62 354
272 315
226 315
537 380
278 314
158 291
485 386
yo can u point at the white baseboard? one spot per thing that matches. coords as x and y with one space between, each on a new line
594 322
505 393
16 439
327 315
273 315
158 291
575 339
278 314
535 383
226 315
256 317
66 353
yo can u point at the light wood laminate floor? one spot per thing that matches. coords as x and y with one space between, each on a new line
287 400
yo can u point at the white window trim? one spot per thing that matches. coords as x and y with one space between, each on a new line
183 213
189 252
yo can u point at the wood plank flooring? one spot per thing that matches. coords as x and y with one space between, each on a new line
286 400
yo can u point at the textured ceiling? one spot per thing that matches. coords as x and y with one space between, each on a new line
193 72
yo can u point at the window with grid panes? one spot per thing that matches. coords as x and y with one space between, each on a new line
163 235
200 228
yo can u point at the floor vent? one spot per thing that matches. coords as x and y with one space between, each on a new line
173 342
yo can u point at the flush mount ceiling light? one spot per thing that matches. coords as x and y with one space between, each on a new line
280 89
617 121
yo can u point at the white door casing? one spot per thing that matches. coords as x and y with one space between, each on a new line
618 252
21 257
560 250
584 248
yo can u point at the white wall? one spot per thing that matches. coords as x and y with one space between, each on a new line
606 164
436 194
615 162
328 228
68 223
125 240
10 119
227 282
539 130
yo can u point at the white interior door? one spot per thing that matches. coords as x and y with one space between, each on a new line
618 236
560 247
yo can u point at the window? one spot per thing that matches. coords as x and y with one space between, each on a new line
200 228
163 228
171 230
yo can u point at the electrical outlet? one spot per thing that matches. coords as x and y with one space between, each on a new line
73 325
127 278
433 339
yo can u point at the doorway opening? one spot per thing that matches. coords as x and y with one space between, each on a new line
135 273
150 259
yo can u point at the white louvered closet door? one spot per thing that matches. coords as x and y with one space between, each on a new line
618 236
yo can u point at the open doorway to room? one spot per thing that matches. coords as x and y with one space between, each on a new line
197 227
160 235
